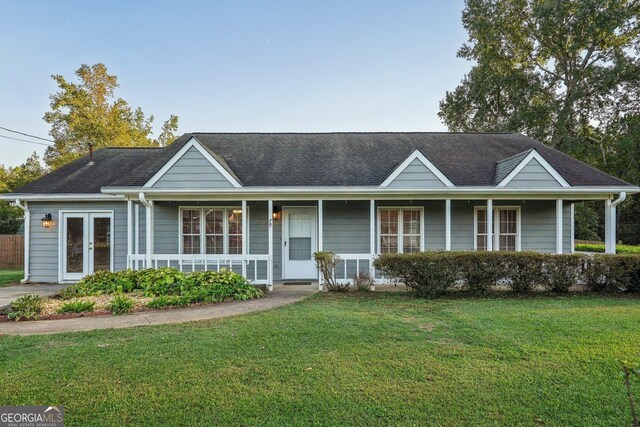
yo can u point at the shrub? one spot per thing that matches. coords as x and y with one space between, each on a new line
426 274
363 281
165 301
120 304
78 306
25 307
481 271
599 247
104 282
161 281
613 273
524 271
326 263
561 271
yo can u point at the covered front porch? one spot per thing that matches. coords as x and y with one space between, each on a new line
271 241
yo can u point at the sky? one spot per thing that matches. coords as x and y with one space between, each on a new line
237 66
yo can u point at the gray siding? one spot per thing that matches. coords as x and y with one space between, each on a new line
45 246
462 224
193 170
535 176
416 174
346 227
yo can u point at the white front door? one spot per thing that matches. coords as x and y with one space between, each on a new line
299 242
86 243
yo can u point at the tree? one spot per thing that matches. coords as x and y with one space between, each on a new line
10 180
88 112
562 71
565 72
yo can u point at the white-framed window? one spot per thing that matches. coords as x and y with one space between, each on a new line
211 230
506 228
400 229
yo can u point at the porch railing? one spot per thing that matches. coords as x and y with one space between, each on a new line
254 267
351 264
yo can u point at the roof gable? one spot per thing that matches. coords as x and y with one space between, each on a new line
532 171
193 166
416 171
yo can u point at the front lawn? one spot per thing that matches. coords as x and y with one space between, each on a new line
599 247
375 359
10 277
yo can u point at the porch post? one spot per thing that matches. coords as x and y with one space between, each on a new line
320 238
372 239
270 258
489 224
559 226
129 232
149 236
609 227
137 232
244 239
573 227
447 224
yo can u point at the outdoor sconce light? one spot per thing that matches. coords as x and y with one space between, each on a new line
276 213
47 221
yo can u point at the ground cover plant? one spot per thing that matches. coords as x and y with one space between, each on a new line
125 291
504 359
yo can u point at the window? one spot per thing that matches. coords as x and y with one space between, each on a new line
400 230
506 228
211 230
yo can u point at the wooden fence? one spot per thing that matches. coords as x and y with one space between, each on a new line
11 251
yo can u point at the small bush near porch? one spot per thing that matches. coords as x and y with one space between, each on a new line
346 359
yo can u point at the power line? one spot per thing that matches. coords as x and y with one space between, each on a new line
24 140
26 134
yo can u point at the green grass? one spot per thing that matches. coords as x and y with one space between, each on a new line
374 359
599 247
10 277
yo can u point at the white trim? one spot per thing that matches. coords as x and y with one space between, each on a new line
192 143
129 232
534 155
493 233
27 236
372 226
447 225
270 243
400 226
320 237
422 158
87 216
61 197
489 225
559 228
137 229
573 228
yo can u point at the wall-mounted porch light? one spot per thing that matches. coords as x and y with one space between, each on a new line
276 213
47 221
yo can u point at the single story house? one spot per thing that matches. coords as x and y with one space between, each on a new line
263 203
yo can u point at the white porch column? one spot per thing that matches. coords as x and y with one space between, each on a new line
270 229
149 236
372 239
609 228
320 238
129 232
447 224
573 228
559 226
489 224
244 239
137 232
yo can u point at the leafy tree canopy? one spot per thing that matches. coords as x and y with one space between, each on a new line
562 71
88 112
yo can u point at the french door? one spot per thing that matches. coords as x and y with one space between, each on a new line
86 243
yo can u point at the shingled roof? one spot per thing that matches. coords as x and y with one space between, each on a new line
323 159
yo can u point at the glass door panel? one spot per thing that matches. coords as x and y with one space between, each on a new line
101 243
75 244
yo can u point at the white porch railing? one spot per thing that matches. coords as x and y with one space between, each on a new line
254 267
351 264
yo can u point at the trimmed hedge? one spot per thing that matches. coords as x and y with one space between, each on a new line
432 273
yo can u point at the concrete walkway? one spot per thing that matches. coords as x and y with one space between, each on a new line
10 293
278 298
